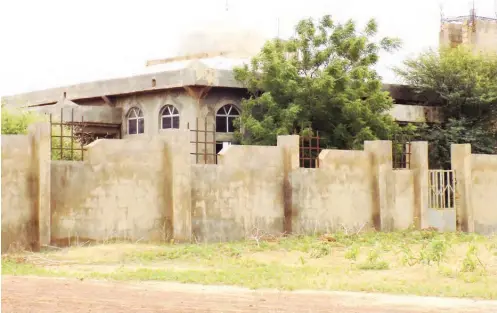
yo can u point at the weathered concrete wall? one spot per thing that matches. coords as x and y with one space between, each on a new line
134 189
118 193
402 184
482 39
339 193
484 193
18 211
26 189
240 196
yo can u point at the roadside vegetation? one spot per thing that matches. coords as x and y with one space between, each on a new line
410 262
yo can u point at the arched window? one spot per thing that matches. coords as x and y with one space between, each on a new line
169 117
225 117
136 122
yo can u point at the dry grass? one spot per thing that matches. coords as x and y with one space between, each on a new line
411 262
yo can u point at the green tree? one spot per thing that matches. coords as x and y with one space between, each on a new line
16 122
466 84
320 79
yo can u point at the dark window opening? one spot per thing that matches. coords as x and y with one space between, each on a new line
169 117
136 122
219 147
225 117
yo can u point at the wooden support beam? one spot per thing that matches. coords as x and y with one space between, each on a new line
107 101
197 92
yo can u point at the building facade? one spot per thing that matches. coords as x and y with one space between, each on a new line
195 90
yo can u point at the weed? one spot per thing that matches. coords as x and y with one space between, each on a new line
376 266
408 257
320 250
352 252
471 261
435 251
373 262
285 263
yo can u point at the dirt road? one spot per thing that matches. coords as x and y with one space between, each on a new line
43 295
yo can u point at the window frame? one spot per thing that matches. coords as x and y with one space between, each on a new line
135 114
226 112
169 111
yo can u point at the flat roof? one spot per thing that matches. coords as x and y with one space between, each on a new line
214 72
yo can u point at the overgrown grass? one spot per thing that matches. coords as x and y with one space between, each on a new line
411 262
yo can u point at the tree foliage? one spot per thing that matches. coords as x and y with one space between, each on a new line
320 79
466 83
16 122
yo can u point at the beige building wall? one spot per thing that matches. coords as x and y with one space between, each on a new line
195 114
241 196
481 37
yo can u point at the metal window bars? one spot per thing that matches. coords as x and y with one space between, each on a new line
442 188
309 151
67 142
401 152
205 151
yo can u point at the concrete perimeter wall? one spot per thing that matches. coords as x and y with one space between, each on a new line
145 188
484 193
239 197
128 188
339 193
353 190
476 176
25 189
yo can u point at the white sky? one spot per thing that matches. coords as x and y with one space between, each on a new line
53 43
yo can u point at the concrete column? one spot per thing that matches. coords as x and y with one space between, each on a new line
419 166
179 183
291 154
461 164
39 135
381 154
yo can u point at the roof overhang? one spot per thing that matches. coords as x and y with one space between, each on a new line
212 73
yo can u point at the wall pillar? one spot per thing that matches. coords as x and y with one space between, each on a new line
291 154
39 135
461 164
179 183
419 165
383 197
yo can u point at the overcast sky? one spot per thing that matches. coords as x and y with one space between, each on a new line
54 43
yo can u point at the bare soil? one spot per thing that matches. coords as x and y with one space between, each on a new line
54 295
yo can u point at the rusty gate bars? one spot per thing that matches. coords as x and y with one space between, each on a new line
62 136
401 153
306 152
205 143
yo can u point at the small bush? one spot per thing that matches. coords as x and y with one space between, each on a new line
320 250
373 262
352 253
471 262
16 122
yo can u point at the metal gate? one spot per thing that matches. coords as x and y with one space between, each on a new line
442 190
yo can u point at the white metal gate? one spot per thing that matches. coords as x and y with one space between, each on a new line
442 190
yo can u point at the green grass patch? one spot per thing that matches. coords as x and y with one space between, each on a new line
409 262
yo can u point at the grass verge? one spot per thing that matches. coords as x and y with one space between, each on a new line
411 262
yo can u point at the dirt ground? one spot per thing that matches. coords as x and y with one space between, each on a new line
34 294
